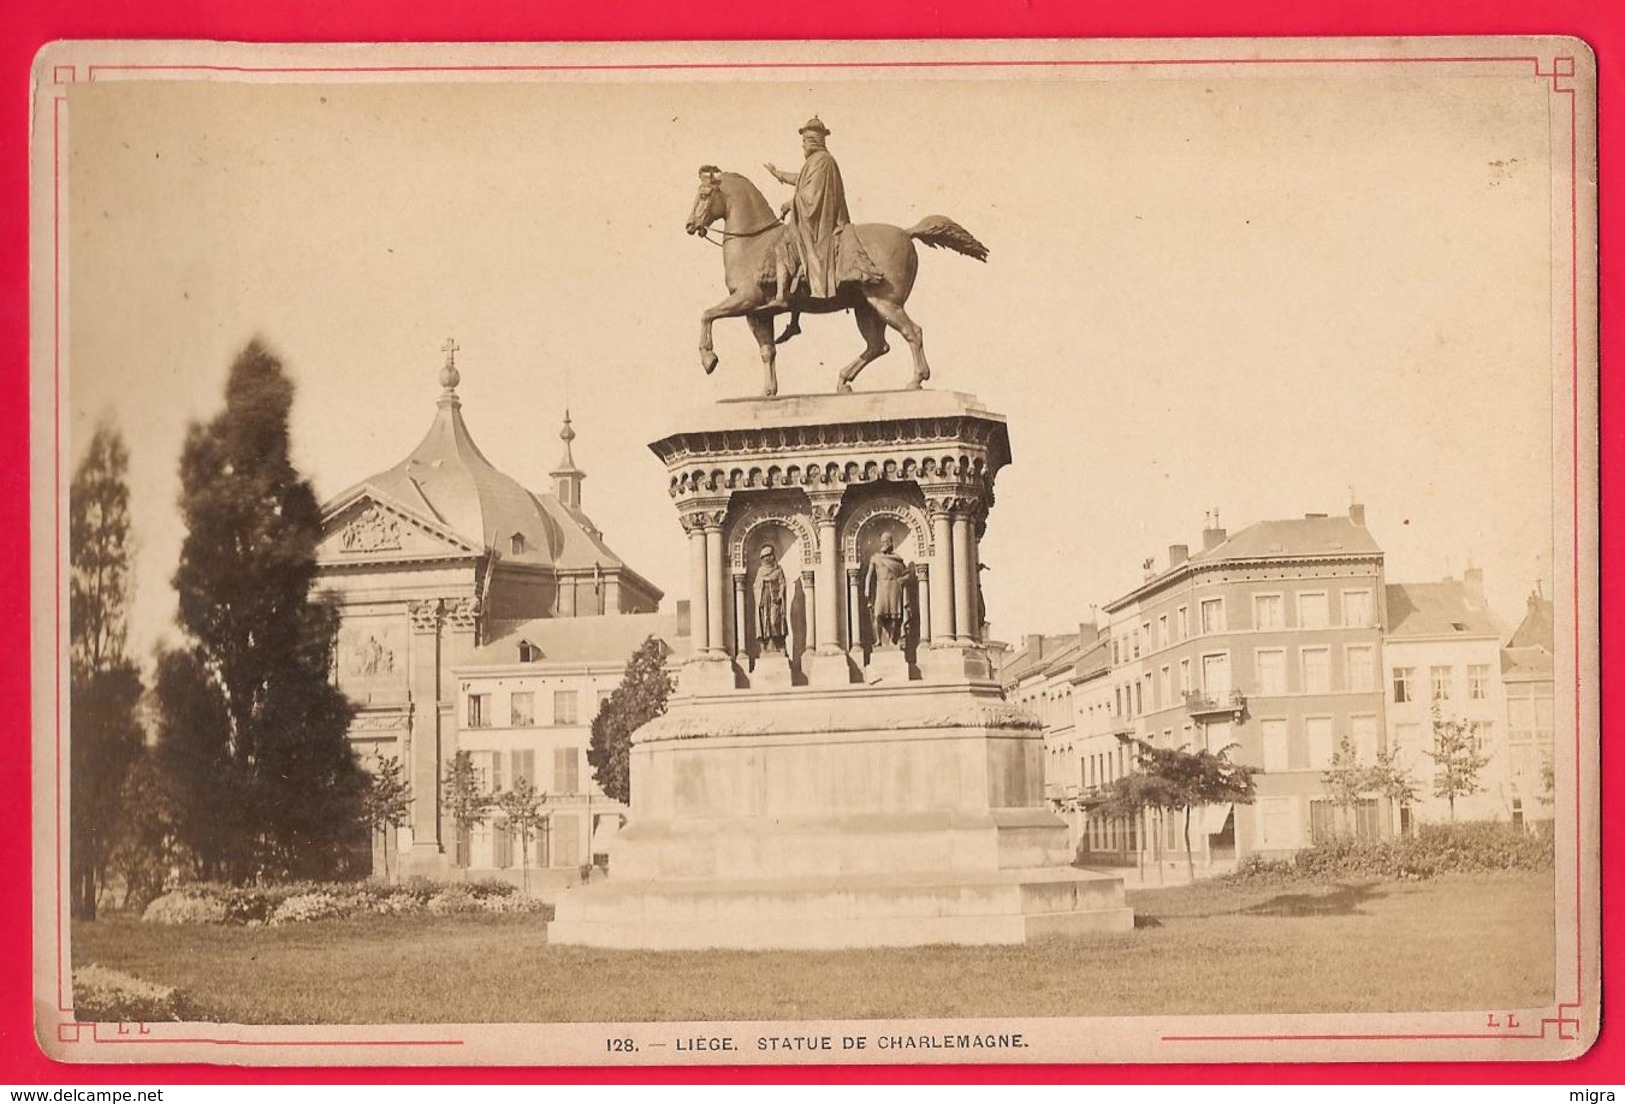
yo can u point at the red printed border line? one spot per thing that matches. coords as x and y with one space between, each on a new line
1566 1015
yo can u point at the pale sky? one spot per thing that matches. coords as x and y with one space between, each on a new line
1242 293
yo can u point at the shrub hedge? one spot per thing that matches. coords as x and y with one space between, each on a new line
101 995
1476 847
299 902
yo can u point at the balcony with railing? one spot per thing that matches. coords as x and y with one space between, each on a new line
1202 705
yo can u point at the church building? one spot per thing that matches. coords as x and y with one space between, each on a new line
455 582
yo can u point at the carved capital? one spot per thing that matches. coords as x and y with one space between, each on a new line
463 613
807 579
425 614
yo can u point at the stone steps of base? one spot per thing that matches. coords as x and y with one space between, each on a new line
794 899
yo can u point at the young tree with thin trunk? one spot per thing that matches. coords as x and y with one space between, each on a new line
1457 758
253 729
467 803
1182 781
104 729
1388 778
522 806
386 801
1346 783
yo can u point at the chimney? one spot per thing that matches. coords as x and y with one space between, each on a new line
1472 582
1087 633
684 619
1034 643
1212 534
1178 554
1357 513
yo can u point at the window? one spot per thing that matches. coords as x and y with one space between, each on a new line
1362 672
1182 621
1273 734
522 708
1319 730
1312 610
1162 631
1213 737
1216 675
501 845
1272 672
1357 609
1517 812
479 711
1329 821
528 652
1117 651
564 707
1439 678
1267 611
1184 676
567 845
1139 700
1117 701
1212 615
1317 670
1478 681
1364 731
1404 684
1136 643
1167 686
566 770
517 542
493 777
524 766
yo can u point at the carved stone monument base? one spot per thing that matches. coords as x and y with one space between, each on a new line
869 815
950 662
888 665
771 671
708 673
827 667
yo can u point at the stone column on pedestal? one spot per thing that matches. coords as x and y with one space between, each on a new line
424 770
809 592
700 623
741 626
942 568
713 585
922 598
827 664
854 613
964 576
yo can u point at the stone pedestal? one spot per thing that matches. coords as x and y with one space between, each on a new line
878 804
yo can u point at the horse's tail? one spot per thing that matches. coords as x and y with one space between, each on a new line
940 231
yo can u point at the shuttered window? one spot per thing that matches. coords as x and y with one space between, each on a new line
501 845
566 770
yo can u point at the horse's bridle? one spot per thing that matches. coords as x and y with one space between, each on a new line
704 232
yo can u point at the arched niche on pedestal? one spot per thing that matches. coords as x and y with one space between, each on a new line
782 523
876 511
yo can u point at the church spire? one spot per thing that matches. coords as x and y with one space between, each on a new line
567 477
450 377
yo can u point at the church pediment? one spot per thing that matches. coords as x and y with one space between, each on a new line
369 528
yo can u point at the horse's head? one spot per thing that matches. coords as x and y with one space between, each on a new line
708 202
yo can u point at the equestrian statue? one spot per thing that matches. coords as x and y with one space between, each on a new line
813 259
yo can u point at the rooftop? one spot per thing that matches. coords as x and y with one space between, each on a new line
584 640
1448 608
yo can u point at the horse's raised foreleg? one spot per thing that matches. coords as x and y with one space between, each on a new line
873 330
897 318
736 304
761 326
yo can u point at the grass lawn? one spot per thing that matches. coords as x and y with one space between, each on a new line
1460 942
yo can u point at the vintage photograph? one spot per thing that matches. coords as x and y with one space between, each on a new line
810 552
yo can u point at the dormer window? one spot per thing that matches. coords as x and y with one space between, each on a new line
528 652
517 542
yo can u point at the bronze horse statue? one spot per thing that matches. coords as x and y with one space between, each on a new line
751 235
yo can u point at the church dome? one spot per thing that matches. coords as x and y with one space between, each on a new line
447 478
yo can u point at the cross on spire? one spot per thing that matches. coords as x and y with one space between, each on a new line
449 375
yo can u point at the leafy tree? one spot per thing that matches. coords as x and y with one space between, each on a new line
1179 781
252 728
1390 779
104 729
147 851
522 805
467 804
386 801
1456 758
1346 781
1127 797
639 699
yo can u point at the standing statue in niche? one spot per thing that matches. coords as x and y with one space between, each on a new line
885 588
772 594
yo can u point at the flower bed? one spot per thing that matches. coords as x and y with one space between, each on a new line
1481 847
300 902
101 995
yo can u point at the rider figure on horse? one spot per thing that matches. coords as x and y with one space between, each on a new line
812 250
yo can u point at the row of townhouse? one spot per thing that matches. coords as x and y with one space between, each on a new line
1276 643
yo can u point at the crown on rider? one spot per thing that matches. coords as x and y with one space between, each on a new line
815 126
